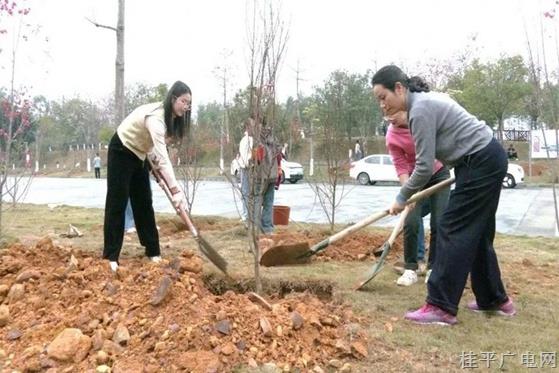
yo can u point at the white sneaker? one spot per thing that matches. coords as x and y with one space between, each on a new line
114 266
131 230
427 274
408 278
155 259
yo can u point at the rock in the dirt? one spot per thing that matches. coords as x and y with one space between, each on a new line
335 363
223 326
252 363
16 293
296 320
317 369
160 346
255 298
162 290
359 350
103 369
101 357
193 265
266 327
4 315
121 335
220 315
127 366
199 361
97 340
112 348
27 275
13 334
69 345
4 290
328 321
270 368
228 349
342 347
346 368
44 244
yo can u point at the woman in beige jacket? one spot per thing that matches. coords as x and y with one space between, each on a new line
144 132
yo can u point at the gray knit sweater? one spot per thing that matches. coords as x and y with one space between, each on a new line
441 129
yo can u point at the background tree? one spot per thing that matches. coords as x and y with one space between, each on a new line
494 90
331 112
15 105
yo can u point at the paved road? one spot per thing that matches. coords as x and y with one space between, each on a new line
523 211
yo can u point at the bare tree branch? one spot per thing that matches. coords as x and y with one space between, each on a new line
100 25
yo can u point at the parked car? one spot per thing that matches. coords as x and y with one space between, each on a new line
379 167
290 171
514 176
373 168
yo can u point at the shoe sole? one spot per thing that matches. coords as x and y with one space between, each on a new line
406 285
440 323
494 313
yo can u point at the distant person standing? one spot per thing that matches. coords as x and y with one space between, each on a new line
511 153
245 160
97 166
284 151
358 153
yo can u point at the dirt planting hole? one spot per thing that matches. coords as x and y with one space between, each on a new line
218 285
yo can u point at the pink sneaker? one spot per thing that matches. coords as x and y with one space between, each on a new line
505 309
430 314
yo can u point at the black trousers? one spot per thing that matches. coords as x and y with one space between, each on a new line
97 173
128 177
466 232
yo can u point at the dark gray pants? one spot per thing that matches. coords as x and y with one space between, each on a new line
466 233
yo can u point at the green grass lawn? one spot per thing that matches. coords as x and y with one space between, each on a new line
530 269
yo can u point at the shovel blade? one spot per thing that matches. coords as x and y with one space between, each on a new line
286 255
377 267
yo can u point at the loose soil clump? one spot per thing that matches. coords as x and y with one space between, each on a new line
63 308
357 247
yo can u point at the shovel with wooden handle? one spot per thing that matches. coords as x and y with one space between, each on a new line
373 218
379 265
300 253
204 246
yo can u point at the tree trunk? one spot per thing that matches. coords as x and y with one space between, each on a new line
119 65
501 137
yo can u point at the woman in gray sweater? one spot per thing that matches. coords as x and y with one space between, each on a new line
444 130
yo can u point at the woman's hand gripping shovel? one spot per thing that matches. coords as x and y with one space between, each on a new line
206 249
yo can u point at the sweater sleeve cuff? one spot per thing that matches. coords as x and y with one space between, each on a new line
401 199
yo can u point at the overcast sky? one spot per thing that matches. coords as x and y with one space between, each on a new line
167 40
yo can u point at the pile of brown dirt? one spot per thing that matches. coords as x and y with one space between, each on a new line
64 309
356 247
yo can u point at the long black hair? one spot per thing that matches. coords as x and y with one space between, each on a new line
178 127
389 75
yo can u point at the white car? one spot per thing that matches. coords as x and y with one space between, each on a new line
514 176
373 168
379 167
290 171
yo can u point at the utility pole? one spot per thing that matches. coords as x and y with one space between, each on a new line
225 122
222 74
119 61
298 108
